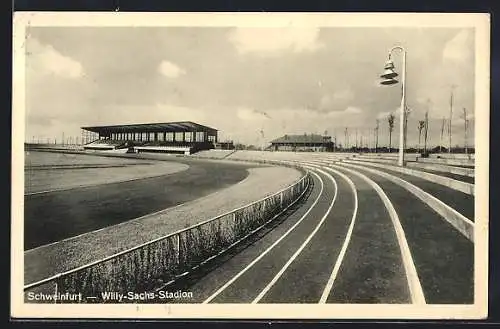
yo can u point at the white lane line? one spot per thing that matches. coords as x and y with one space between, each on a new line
340 258
416 292
228 283
304 244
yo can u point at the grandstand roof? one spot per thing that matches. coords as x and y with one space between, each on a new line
151 127
301 139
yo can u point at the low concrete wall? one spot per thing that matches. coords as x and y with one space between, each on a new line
445 181
374 160
453 156
469 172
451 162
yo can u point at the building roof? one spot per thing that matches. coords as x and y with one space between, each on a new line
152 127
301 139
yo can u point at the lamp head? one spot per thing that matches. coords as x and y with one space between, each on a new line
389 74
388 81
389 64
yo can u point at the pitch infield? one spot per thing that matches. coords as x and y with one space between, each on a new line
53 216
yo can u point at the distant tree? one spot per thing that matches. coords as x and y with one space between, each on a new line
390 120
421 126
426 130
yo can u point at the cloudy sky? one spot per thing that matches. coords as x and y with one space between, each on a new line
253 84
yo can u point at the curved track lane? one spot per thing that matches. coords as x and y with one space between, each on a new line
443 257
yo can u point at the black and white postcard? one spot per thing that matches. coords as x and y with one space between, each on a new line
250 165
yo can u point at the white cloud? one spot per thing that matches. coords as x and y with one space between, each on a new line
347 111
457 49
353 110
270 41
251 115
44 59
344 95
168 112
170 70
338 99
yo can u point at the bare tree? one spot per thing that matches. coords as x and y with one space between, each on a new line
466 126
376 136
346 138
390 120
421 126
451 117
405 126
356 139
426 129
442 134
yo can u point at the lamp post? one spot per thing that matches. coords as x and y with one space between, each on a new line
388 79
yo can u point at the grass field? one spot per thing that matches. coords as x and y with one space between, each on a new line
46 171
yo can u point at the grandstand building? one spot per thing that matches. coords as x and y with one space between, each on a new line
171 137
303 143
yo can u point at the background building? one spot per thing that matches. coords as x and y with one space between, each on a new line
304 143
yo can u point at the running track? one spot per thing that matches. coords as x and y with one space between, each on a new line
358 238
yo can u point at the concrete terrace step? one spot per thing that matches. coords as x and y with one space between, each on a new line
468 172
454 184
451 162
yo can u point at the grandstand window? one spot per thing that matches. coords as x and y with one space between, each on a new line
189 137
169 137
200 136
143 137
211 138
179 136
151 136
161 137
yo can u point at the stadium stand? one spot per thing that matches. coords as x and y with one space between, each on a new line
104 144
184 137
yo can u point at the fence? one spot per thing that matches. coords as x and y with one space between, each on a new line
153 264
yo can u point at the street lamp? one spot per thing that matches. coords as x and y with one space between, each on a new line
389 79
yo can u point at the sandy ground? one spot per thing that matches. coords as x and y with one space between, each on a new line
64 255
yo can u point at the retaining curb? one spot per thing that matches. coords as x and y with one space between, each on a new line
454 184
